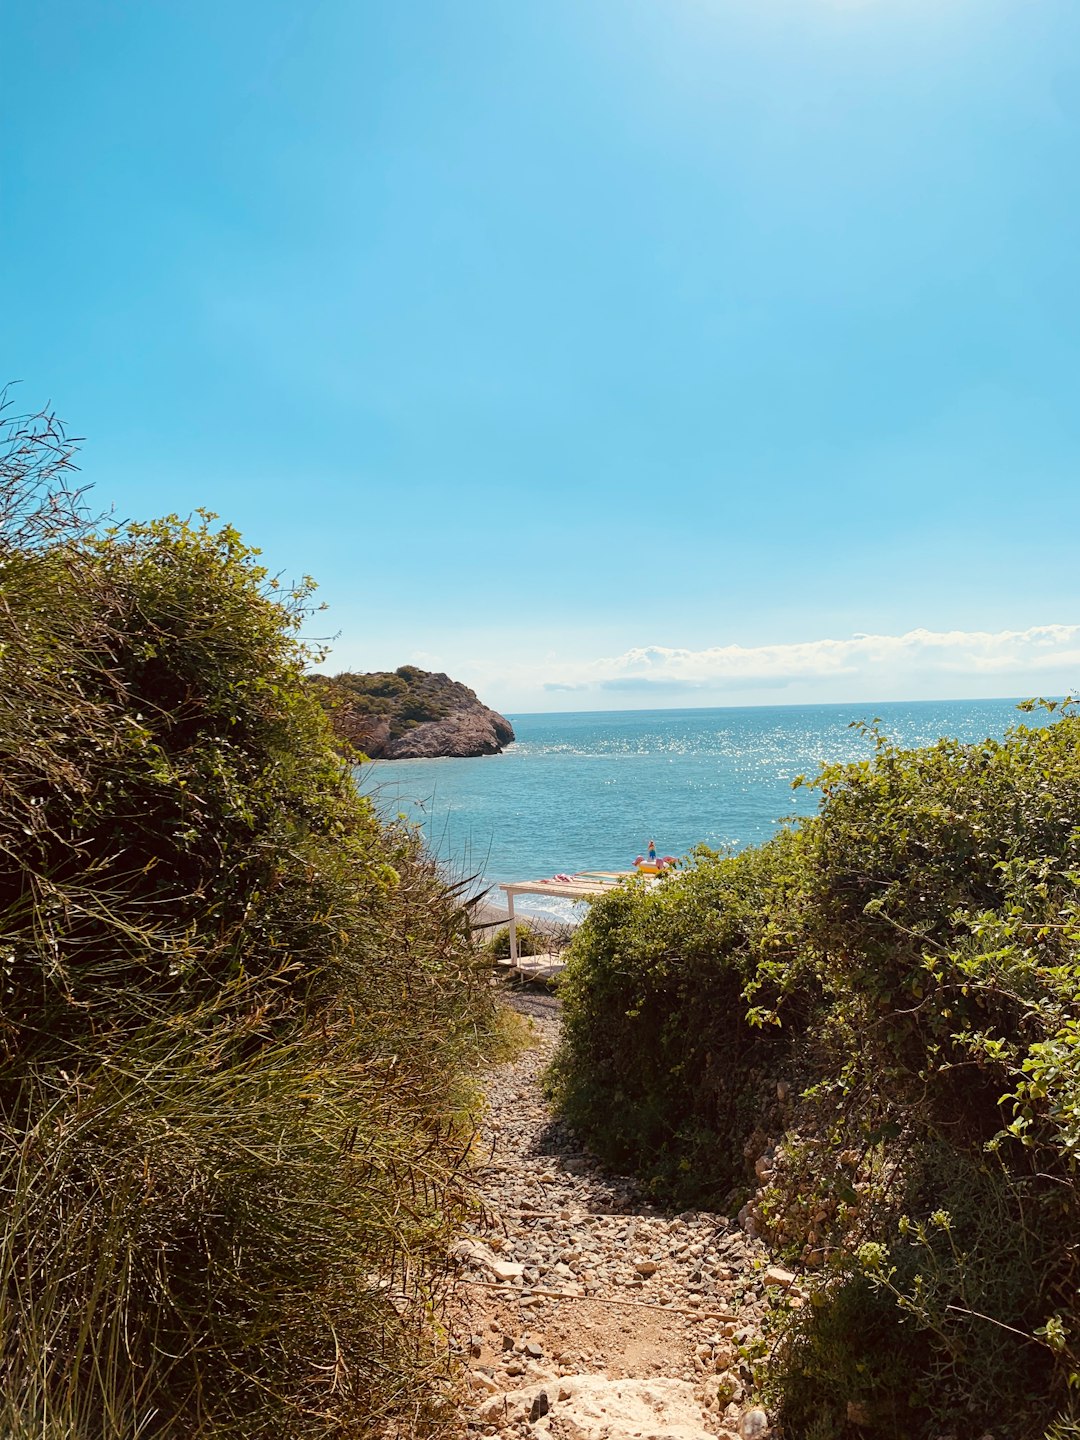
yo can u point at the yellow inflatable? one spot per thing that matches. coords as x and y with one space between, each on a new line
653 864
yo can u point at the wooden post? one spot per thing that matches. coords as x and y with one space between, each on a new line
512 928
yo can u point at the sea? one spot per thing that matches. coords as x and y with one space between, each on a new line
589 790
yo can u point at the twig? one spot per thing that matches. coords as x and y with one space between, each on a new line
510 1292
978 1315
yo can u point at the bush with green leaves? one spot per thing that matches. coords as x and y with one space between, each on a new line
530 941
239 1016
658 1065
908 962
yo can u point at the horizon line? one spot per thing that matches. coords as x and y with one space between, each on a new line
1017 700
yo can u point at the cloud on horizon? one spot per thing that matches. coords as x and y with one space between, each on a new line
890 658
647 682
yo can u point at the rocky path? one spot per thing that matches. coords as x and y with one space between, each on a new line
585 1312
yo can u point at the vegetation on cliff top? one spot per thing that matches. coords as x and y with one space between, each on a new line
880 1010
406 697
238 1015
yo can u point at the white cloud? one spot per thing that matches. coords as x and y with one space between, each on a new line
921 664
925 652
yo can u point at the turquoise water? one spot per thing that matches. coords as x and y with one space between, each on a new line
588 791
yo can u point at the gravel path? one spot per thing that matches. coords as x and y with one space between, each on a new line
586 1312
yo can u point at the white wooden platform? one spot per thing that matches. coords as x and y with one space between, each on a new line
583 885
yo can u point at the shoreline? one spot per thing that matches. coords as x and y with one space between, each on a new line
487 917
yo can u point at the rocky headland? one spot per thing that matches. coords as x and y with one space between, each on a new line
411 714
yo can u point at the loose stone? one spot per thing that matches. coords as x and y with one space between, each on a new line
621 1347
776 1275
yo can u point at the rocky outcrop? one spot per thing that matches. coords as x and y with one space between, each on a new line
470 729
411 714
369 733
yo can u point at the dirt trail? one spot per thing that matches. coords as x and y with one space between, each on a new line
586 1312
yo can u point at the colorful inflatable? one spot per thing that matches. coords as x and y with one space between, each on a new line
653 864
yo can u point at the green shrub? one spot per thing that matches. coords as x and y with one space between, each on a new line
658 1066
530 941
238 1015
930 1326
910 959
944 914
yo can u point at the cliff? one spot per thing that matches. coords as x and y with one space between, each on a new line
411 714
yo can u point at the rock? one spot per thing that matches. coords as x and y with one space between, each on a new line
469 1250
534 1351
504 1409
479 1381
505 1269
728 1388
539 1407
646 1267
369 733
591 1407
777 1275
470 732
753 1425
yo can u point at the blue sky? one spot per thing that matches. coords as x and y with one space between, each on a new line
601 352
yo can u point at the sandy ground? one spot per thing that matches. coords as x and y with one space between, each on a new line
488 915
